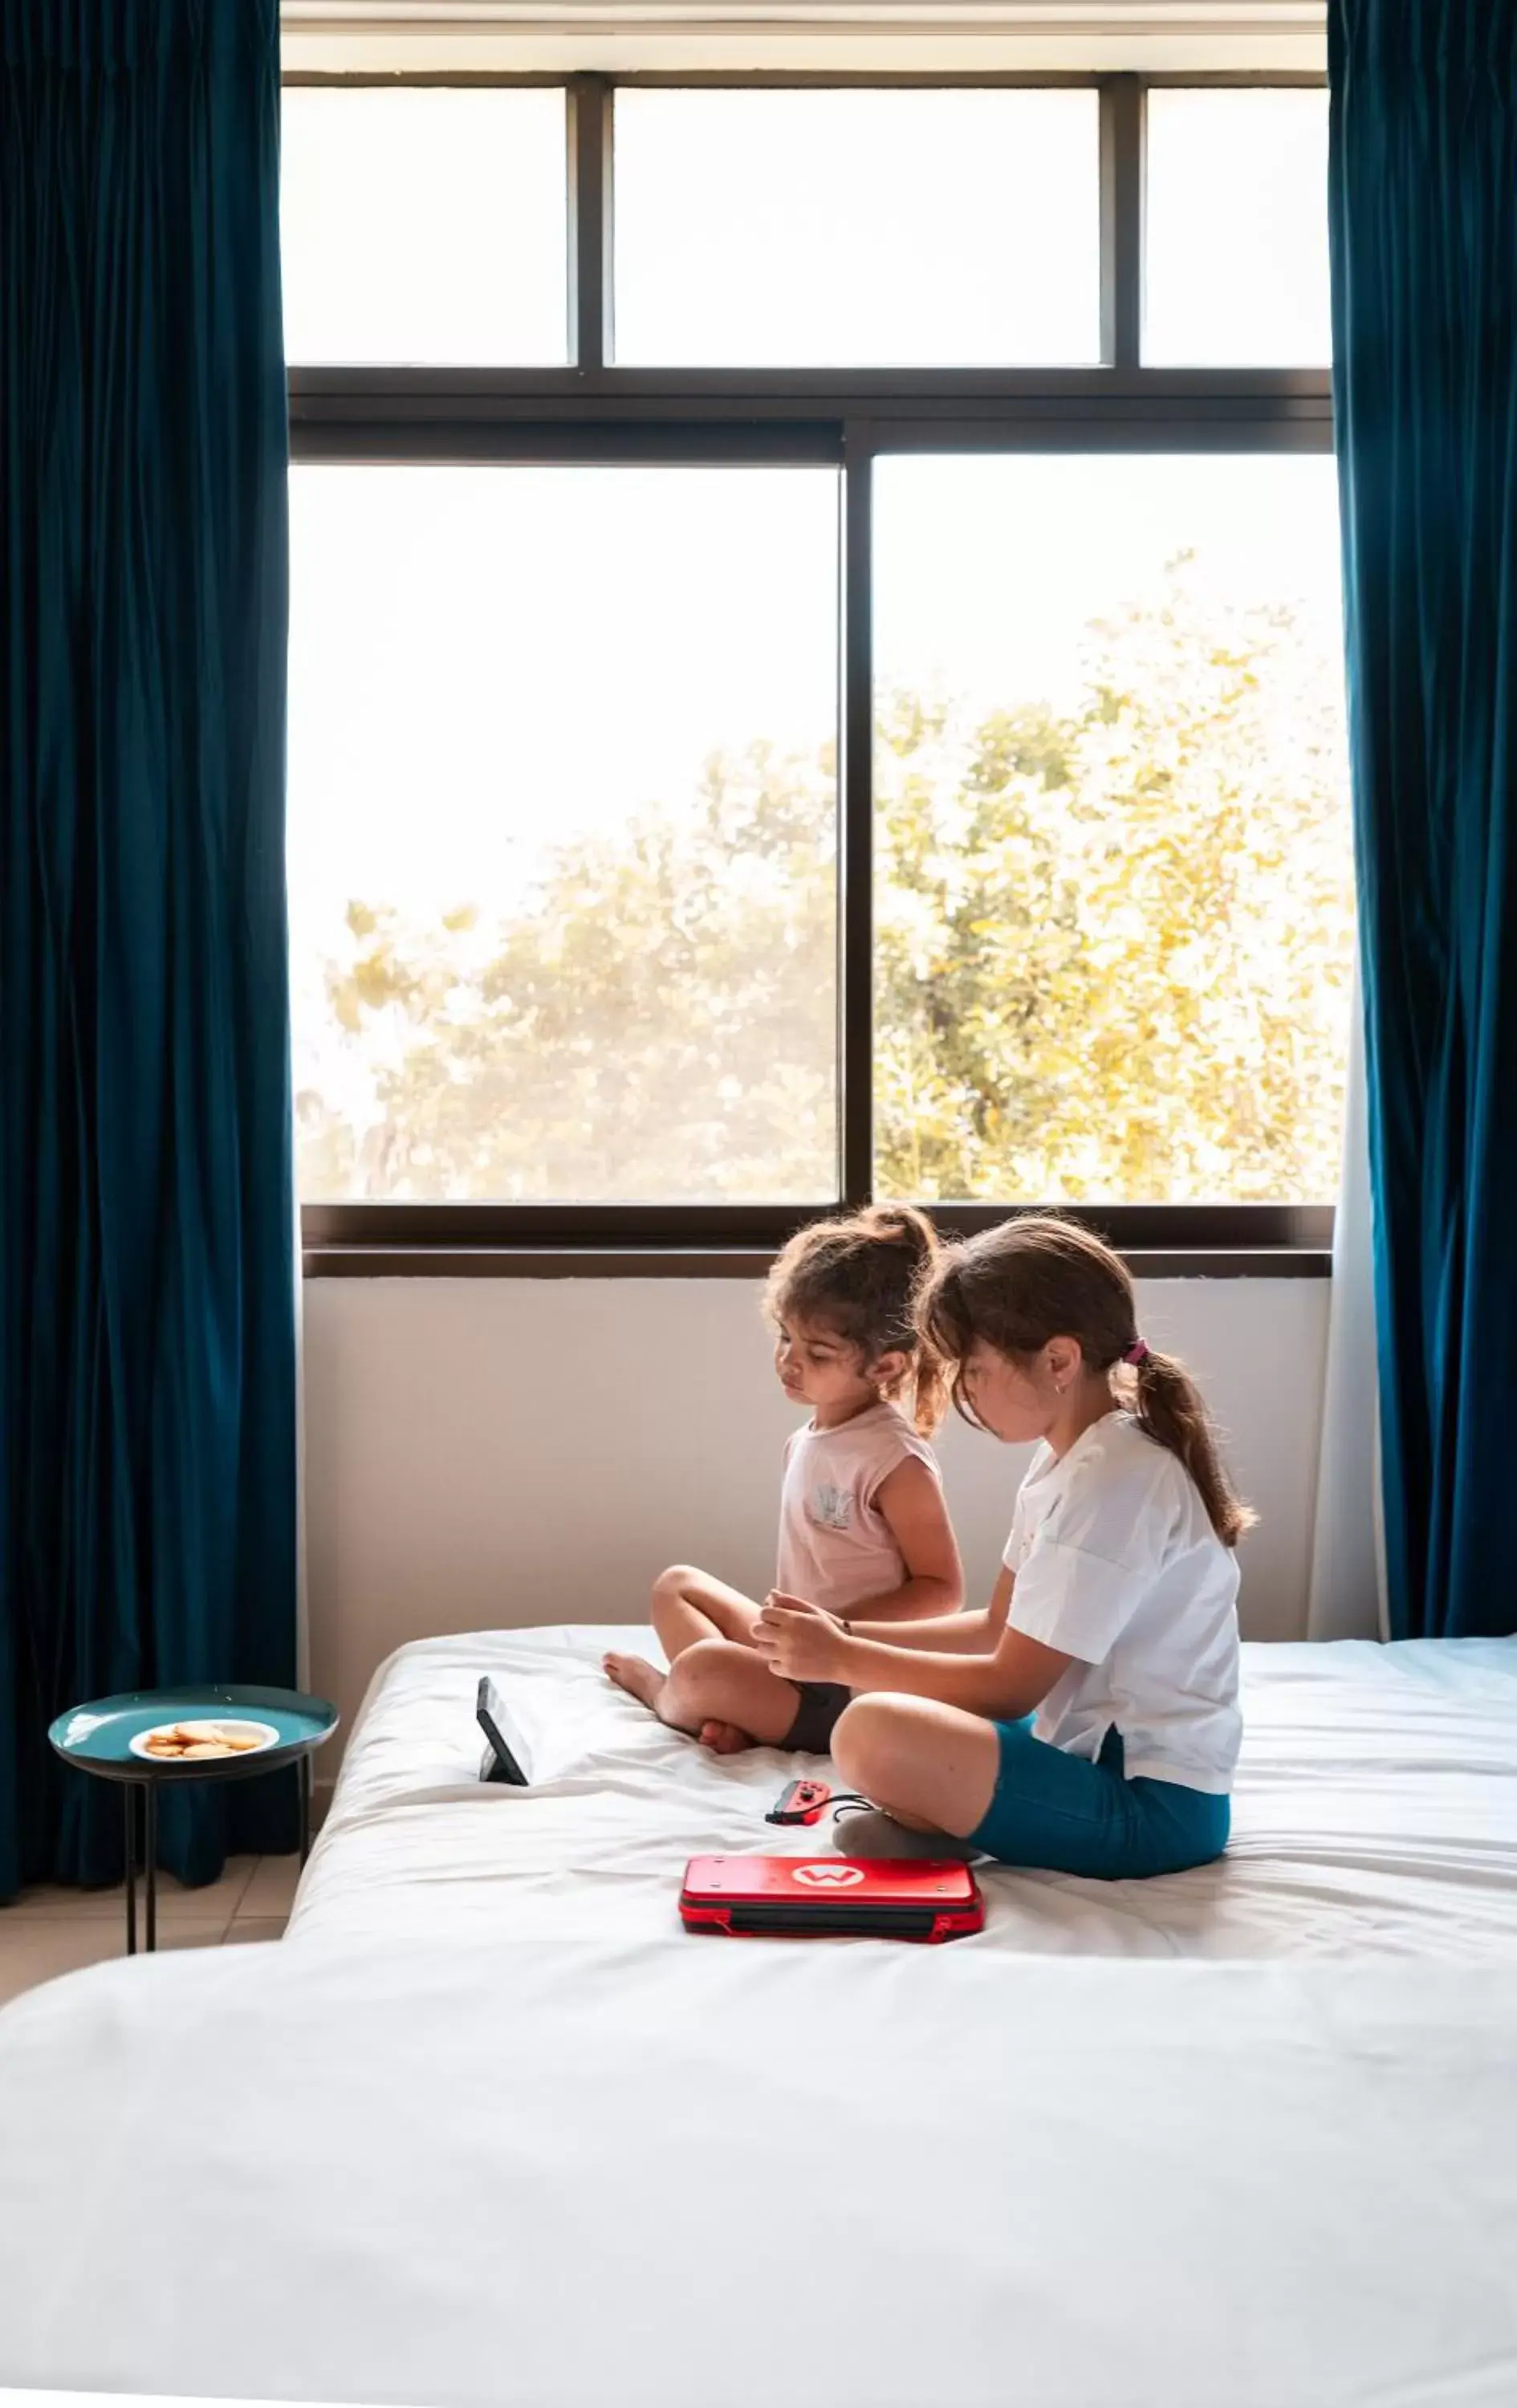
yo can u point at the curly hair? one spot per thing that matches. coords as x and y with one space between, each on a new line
859 1279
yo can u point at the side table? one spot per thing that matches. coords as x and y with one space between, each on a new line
97 1738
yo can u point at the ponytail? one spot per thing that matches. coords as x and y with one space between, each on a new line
1169 1406
903 1226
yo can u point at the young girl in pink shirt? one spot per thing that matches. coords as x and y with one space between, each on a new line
864 1530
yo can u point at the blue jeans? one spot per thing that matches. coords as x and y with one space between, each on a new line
1065 1814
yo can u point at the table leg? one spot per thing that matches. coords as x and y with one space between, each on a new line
151 1851
129 1797
305 1809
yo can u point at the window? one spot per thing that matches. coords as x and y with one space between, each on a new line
424 224
1237 230
836 229
814 663
563 846
1114 906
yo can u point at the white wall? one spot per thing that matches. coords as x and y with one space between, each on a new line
482 1452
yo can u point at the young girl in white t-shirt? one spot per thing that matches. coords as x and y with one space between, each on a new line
1087 1719
862 1526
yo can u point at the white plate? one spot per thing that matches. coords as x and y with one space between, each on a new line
263 1733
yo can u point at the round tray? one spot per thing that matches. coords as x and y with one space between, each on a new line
98 1736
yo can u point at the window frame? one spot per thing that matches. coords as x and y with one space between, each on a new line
595 412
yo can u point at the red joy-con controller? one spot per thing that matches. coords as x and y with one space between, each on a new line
803 1801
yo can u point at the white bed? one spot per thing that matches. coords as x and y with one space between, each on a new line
488 2128
722 2174
1376 1810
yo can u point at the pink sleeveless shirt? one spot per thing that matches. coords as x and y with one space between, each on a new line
836 1548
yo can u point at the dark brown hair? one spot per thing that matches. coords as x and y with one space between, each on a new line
1041 1276
858 1279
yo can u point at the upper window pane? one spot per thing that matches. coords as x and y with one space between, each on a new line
855 229
1114 908
563 803
423 227
1236 264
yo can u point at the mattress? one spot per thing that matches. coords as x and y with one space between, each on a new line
489 2127
765 2175
1376 1811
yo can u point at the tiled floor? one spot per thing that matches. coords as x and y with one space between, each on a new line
50 1931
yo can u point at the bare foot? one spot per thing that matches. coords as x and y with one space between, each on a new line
724 1739
640 1678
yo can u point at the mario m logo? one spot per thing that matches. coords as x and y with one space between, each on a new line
829 1876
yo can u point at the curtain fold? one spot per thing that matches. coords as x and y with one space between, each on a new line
147 1341
1423 203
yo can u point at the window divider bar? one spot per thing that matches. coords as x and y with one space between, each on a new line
590 102
1123 124
376 1229
855 855
318 391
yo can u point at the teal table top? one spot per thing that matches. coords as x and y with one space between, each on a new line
98 1736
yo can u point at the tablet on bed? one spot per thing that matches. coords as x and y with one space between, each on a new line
506 1757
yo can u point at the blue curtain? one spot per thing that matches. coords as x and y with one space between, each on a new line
146 1339
1423 220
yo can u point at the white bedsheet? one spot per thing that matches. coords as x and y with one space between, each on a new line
609 2172
1376 1810
489 2127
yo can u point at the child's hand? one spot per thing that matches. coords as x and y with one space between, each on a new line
798 1640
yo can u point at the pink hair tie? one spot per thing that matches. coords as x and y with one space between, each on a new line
1136 1352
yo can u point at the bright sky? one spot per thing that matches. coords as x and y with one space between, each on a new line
460 692
787 228
424 225
836 229
1237 230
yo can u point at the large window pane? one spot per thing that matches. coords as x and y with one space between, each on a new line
1237 264
857 228
1114 887
561 832
423 227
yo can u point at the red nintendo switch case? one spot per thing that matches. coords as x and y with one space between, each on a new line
888 1898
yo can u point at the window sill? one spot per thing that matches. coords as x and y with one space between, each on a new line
377 1260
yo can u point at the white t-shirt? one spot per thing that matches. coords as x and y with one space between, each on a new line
835 1546
1117 1565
